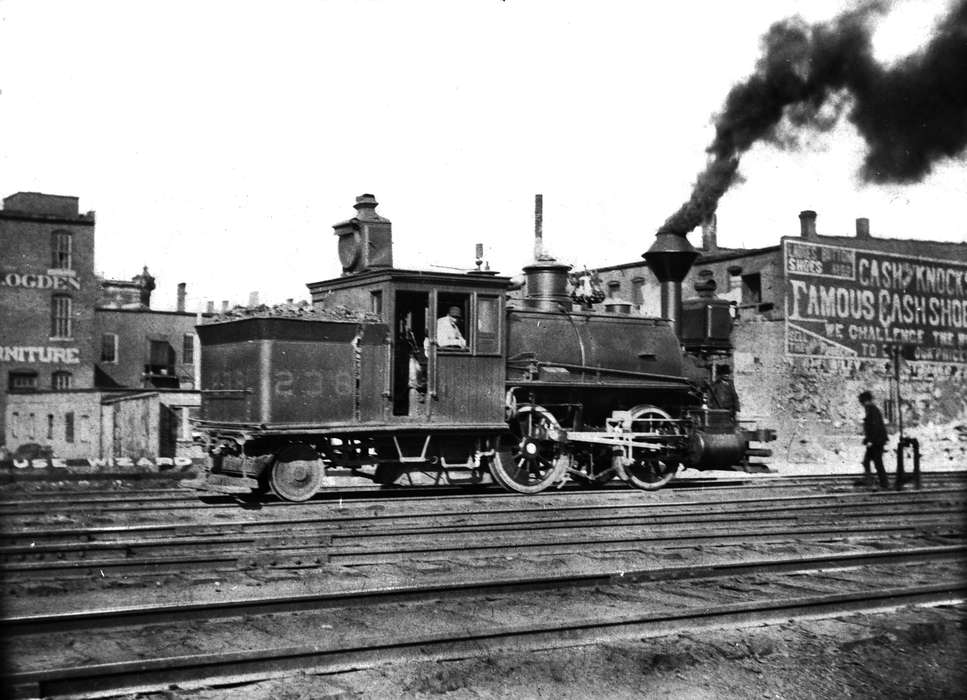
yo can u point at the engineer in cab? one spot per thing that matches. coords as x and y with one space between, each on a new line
448 335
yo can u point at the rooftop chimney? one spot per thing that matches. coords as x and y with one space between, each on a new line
210 307
807 224
863 228
253 298
709 231
181 296
224 305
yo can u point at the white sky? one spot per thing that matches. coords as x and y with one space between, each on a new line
219 141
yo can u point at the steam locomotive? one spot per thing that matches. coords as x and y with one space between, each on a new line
539 392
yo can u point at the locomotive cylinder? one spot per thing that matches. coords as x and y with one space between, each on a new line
712 450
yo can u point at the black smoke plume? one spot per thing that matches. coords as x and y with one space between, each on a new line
911 114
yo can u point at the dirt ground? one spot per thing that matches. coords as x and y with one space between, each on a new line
909 653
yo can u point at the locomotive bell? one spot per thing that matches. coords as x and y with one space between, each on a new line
366 240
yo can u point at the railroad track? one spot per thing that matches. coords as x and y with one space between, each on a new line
514 511
329 633
167 500
372 539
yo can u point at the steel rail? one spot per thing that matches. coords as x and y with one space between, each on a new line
649 510
156 614
924 495
67 544
402 493
76 540
246 666
314 554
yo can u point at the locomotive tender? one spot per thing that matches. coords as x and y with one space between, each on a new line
538 393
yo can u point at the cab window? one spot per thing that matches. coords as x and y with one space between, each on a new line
488 325
453 323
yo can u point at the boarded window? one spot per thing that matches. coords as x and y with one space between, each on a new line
62 250
61 380
60 316
109 347
69 426
188 349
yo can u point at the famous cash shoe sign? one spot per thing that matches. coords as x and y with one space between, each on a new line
847 302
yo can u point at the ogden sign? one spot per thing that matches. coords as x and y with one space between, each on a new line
846 302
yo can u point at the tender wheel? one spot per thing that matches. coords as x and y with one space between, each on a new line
297 473
534 460
649 469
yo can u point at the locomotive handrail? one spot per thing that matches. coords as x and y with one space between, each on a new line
608 370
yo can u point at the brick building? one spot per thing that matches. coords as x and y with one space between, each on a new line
78 353
819 318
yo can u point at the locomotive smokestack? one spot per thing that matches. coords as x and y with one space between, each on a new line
670 258
546 277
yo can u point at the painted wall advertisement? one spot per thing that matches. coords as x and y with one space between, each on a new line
847 302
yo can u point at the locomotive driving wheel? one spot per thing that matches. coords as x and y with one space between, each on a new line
651 469
297 473
534 459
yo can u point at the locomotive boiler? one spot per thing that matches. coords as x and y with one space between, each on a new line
404 376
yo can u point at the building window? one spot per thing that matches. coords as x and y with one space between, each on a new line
751 289
60 316
614 288
61 380
109 347
69 426
22 381
188 349
638 291
62 250
160 370
376 303
50 426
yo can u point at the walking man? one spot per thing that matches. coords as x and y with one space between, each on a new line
874 437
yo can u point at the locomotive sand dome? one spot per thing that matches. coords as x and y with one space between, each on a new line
404 376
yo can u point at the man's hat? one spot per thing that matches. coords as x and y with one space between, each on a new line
456 312
724 369
865 396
